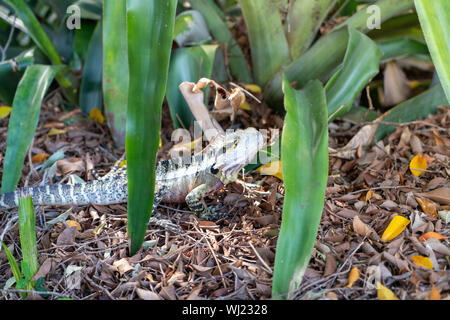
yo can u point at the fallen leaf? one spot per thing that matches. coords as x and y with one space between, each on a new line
4 111
37 158
44 269
272 169
147 294
432 235
254 88
369 195
437 246
352 277
73 223
245 106
444 216
67 237
441 195
66 166
330 265
97 115
434 294
207 224
395 227
361 228
417 165
123 266
422 261
384 293
54 132
428 207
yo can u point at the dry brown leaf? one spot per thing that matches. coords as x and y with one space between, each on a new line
441 195
416 144
396 85
66 166
361 228
330 265
44 269
147 294
428 207
123 266
67 237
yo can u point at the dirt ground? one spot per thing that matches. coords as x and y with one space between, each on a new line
233 258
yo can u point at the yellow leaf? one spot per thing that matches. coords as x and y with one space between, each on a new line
352 277
422 261
160 143
434 294
384 293
37 158
431 234
72 223
97 115
54 132
369 195
397 225
245 106
272 169
428 207
4 111
123 163
418 162
253 88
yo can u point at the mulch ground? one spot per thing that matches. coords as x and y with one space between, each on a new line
233 258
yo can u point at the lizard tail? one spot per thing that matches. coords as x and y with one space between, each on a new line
94 192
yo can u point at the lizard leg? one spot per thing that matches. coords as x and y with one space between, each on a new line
156 219
195 202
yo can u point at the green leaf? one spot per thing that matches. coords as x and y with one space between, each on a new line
304 155
217 26
360 65
268 43
91 82
40 38
402 48
434 18
27 232
11 72
303 21
23 121
150 31
13 263
413 109
187 64
319 61
115 71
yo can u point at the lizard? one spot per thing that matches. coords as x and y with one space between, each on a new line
175 181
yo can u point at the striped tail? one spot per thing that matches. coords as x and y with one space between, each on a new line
107 191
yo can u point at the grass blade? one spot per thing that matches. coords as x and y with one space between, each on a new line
150 30
267 39
304 154
23 121
13 264
91 82
216 24
434 17
187 64
27 231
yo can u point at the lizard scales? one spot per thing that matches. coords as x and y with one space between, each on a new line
175 182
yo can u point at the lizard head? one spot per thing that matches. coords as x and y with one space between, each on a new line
237 150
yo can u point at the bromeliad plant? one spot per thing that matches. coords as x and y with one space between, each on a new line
122 52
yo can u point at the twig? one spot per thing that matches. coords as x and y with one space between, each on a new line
261 259
35 292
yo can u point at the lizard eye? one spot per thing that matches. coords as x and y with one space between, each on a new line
214 170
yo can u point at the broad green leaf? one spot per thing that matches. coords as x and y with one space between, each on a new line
302 23
402 48
434 18
268 42
219 29
27 232
359 66
319 61
90 9
115 70
150 31
415 108
11 72
23 121
187 64
91 82
304 154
